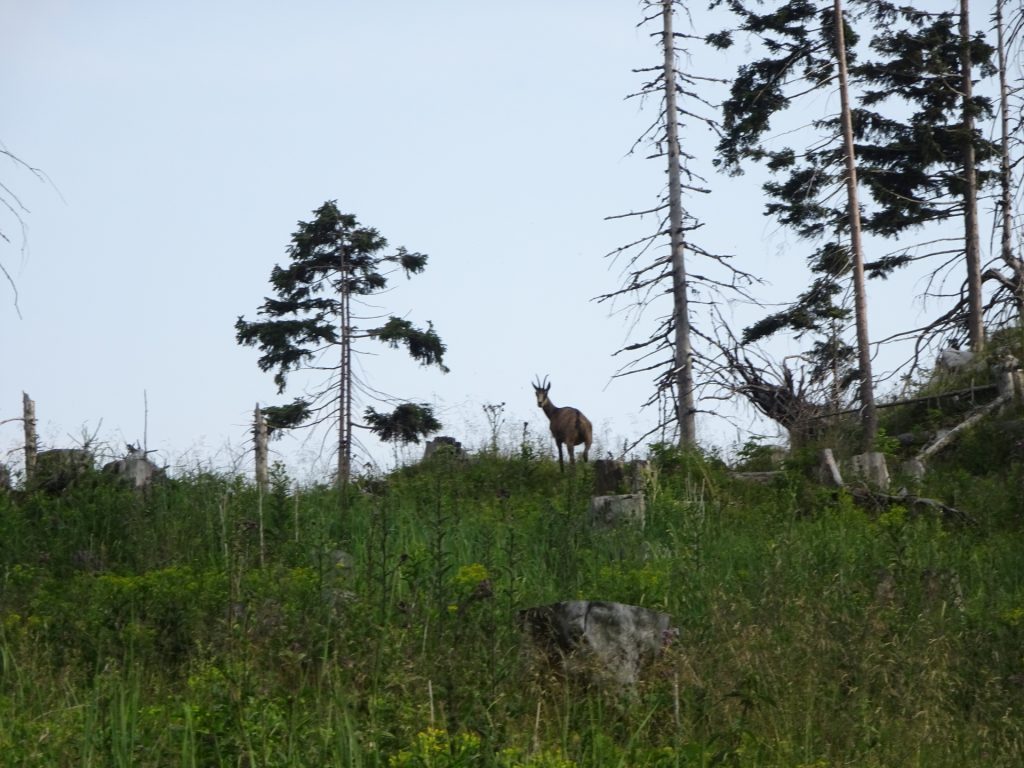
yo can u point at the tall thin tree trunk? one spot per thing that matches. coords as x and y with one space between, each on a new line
835 395
1014 264
345 386
683 362
869 415
31 438
259 429
259 435
972 240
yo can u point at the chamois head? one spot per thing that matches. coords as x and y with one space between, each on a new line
568 425
541 391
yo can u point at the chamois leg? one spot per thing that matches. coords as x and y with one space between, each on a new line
586 452
561 464
572 454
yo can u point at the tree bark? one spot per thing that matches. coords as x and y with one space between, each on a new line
972 240
259 434
1014 264
683 359
869 415
345 382
31 438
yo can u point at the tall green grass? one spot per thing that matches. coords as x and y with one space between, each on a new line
205 625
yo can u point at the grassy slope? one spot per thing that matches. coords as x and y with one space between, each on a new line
162 632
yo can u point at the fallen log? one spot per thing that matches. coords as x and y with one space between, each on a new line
915 504
977 415
758 477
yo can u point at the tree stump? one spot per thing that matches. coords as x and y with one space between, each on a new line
828 470
609 477
914 469
613 477
871 468
442 445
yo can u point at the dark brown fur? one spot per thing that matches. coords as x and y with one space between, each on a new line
568 425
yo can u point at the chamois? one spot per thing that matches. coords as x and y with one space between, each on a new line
568 425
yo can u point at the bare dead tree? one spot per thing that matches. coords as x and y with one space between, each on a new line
795 396
972 240
1010 279
17 210
650 274
31 437
259 434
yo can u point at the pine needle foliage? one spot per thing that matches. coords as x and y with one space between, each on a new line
333 262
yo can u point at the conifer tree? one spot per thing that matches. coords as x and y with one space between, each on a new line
333 261
919 169
928 168
807 46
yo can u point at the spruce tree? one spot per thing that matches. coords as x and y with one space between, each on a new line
928 168
916 146
333 262
814 190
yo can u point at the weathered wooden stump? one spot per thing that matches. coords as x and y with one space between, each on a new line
828 469
914 469
870 468
609 476
614 477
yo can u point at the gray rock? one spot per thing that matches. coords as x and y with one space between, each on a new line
601 642
612 511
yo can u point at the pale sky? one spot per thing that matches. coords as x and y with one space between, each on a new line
185 140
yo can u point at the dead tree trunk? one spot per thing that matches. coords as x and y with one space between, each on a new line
972 240
683 362
1015 280
259 435
31 438
869 416
345 382
977 415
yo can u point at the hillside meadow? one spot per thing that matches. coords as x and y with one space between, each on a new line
206 625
